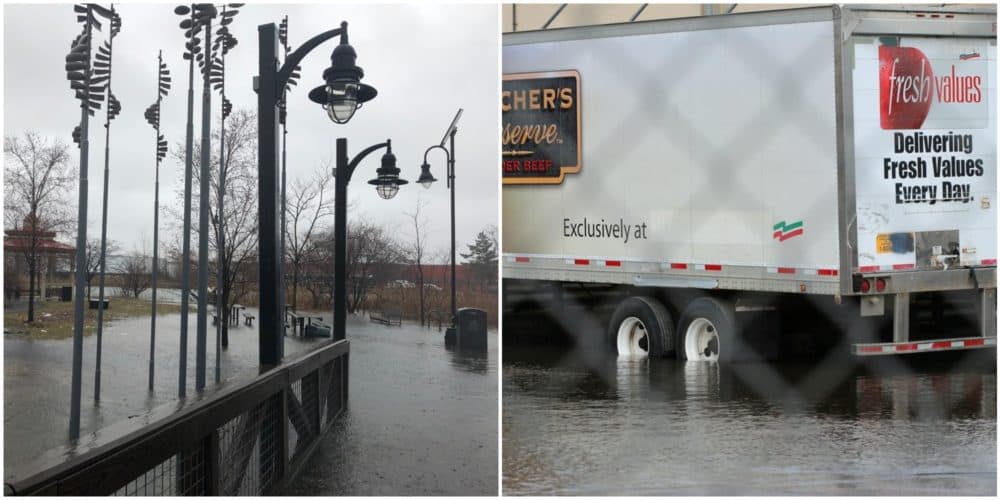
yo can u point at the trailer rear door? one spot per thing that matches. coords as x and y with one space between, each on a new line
924 143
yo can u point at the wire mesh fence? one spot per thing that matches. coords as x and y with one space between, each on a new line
717 130
245 441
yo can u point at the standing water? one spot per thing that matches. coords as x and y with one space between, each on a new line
421 419
576 423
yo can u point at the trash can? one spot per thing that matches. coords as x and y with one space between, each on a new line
66 294
471 334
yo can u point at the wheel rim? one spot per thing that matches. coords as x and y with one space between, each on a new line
701 341
632 340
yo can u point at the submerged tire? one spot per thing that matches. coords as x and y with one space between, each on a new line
641 326
707 331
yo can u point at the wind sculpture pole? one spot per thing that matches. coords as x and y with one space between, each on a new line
191 28
153 118
282 114
102 68
204 13
88 89
224 42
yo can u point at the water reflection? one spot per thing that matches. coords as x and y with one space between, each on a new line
574 424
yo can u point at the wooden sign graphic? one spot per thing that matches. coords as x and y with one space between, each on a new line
541 127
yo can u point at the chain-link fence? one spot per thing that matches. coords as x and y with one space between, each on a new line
244 441
669 140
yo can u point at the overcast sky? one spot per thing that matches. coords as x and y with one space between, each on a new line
425 61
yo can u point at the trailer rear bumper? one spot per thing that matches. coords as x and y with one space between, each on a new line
879 349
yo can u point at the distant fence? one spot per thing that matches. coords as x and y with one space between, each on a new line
246 441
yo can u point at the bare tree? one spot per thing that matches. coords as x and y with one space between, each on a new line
309 203
37 178
416 251
239 217
135 275
370 249
94 259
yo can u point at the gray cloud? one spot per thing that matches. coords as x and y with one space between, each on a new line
425 60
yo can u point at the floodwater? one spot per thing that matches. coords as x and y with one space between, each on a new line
37 376
583 423
421 420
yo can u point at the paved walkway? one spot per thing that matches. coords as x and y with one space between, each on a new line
421 420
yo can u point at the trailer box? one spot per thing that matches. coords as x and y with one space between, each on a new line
842 151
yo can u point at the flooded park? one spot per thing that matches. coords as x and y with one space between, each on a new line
414 406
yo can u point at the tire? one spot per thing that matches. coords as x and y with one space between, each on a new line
707 331
641 326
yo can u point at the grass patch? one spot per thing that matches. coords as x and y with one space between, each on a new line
54 320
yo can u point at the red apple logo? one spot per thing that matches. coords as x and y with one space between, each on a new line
906 85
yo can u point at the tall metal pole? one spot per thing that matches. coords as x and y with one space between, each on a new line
340 180
283 110
81 250
201 341
451 185
220 287
156 221
186 239
269 83
271 280
109 115
225 42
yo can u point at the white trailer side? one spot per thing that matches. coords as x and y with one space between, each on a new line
745 153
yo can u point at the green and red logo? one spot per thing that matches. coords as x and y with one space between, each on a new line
784 231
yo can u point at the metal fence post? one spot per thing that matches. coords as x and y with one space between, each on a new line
310 392
213 464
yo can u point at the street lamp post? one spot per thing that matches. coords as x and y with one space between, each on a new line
426 179
342 94
387 184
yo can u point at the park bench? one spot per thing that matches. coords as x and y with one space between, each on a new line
248 319
389 317
95 302
293 320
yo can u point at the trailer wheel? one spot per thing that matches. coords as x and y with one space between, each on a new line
707 331
641 326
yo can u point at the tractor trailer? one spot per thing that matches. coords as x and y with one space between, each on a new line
700 172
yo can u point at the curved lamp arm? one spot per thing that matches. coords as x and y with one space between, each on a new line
293 59
447 157
360 156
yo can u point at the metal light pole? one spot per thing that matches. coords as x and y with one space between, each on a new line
341 96
153 118
426 179
102 67
191 26
88 90
386 183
